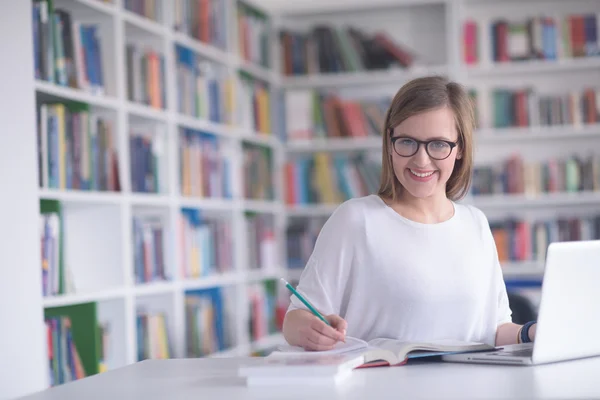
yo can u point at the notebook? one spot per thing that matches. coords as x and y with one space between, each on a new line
301 368
383 351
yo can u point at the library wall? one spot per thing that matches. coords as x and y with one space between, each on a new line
188 152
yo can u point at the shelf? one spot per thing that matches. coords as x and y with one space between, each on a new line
144 23
228 278
316 7
260 275
203 49
152 288
334 144
144 111
395 76
558 132
81 196
97 5
311 210
146 199
534 67
68 93
78 298
262 139
267 342
261 206
205 126
207 203
257 71
515 201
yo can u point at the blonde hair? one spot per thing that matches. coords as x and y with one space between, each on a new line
426 94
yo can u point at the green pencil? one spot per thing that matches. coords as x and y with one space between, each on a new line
306 303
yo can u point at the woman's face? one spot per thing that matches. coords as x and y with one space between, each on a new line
424 175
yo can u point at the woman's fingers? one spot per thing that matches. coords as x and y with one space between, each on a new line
318 338
338 323
326 330
312 345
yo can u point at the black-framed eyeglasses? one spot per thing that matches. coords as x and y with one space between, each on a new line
437 149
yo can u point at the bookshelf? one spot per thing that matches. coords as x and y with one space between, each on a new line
553 125
223 95
159 145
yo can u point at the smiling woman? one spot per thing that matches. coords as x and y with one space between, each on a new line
410 263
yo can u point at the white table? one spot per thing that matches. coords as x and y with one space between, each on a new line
214 378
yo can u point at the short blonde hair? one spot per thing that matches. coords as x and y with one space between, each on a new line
426 94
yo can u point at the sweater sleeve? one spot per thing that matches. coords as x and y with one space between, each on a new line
326 273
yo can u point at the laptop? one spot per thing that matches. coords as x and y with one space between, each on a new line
568 324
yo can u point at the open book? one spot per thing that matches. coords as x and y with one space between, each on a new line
387 351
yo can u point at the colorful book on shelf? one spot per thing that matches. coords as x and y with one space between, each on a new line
51 237
383 351
77 148
85 335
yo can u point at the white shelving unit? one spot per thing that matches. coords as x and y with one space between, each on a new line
98 225
434 31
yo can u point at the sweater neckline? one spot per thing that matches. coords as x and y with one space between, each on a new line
422 225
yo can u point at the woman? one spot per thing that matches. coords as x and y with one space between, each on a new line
409 263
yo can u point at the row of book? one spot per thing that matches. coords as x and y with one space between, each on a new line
206 244
76 148
268 304
67 51
151 9
529 107
203 87
517 240
556 175
527 240
262 245
331 178
64 359
203 20
325 48
51 245
543 37
153 339
77 342
301 236
149 244
146 76
203 169
145 153
253 34
254 100
257 169
311 114
320 114
208 315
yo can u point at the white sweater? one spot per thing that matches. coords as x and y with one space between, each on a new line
392 277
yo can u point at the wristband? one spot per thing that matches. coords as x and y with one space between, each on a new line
525 332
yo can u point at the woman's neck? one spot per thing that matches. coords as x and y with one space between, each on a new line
429 210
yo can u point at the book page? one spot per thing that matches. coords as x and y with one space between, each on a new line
351 345
401 348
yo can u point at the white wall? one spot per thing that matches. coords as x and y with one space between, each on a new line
22 350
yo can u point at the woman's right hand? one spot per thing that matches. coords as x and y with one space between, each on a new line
302 328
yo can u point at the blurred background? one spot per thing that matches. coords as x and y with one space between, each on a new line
187 152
